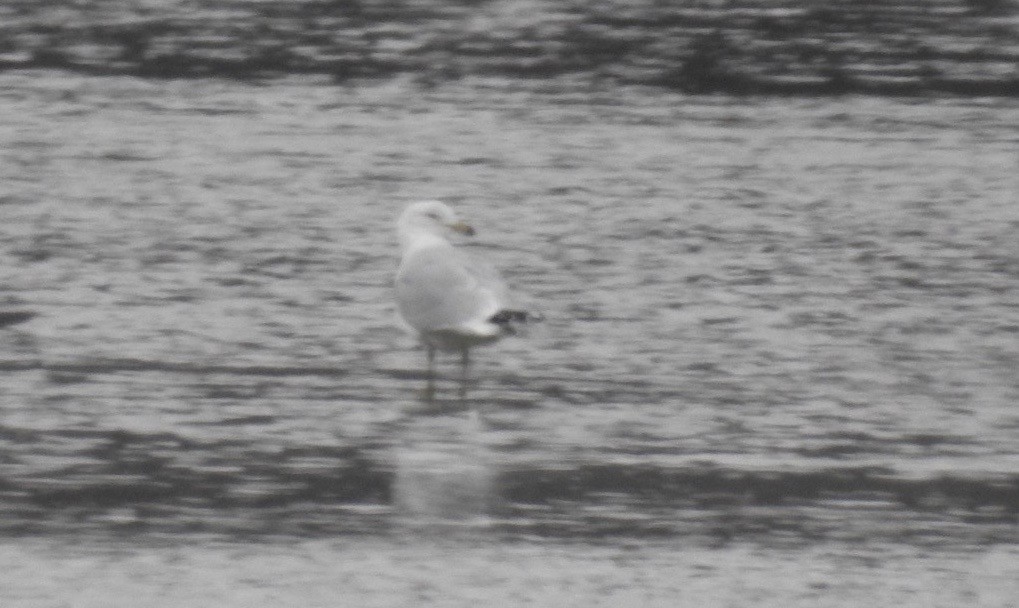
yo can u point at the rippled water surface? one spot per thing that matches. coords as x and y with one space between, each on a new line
787 323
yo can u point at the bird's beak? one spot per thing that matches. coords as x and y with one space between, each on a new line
462 228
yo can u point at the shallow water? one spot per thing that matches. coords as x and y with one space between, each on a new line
769 321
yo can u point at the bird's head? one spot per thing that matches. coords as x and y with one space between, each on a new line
432 217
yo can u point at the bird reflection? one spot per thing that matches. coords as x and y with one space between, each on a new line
444 472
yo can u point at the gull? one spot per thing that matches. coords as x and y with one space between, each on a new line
453 301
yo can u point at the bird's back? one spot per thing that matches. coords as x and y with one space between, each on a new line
441 289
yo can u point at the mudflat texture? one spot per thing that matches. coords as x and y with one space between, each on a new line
777 365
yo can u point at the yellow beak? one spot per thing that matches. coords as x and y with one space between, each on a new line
462 228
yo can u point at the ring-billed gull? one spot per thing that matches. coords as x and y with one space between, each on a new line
452 300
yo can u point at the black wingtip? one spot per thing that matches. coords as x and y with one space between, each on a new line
509 316
13 317
506 319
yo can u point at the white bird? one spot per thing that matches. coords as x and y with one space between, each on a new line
451 300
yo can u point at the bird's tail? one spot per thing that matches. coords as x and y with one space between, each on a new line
508 320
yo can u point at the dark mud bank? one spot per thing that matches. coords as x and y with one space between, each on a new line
116 480
800 47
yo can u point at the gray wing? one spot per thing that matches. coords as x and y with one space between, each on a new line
443 288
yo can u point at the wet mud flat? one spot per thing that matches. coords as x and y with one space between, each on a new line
777 331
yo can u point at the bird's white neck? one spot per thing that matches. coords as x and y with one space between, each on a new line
412 240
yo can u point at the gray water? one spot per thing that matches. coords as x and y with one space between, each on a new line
771 325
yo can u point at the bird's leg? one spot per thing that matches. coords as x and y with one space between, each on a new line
430 375
465 365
